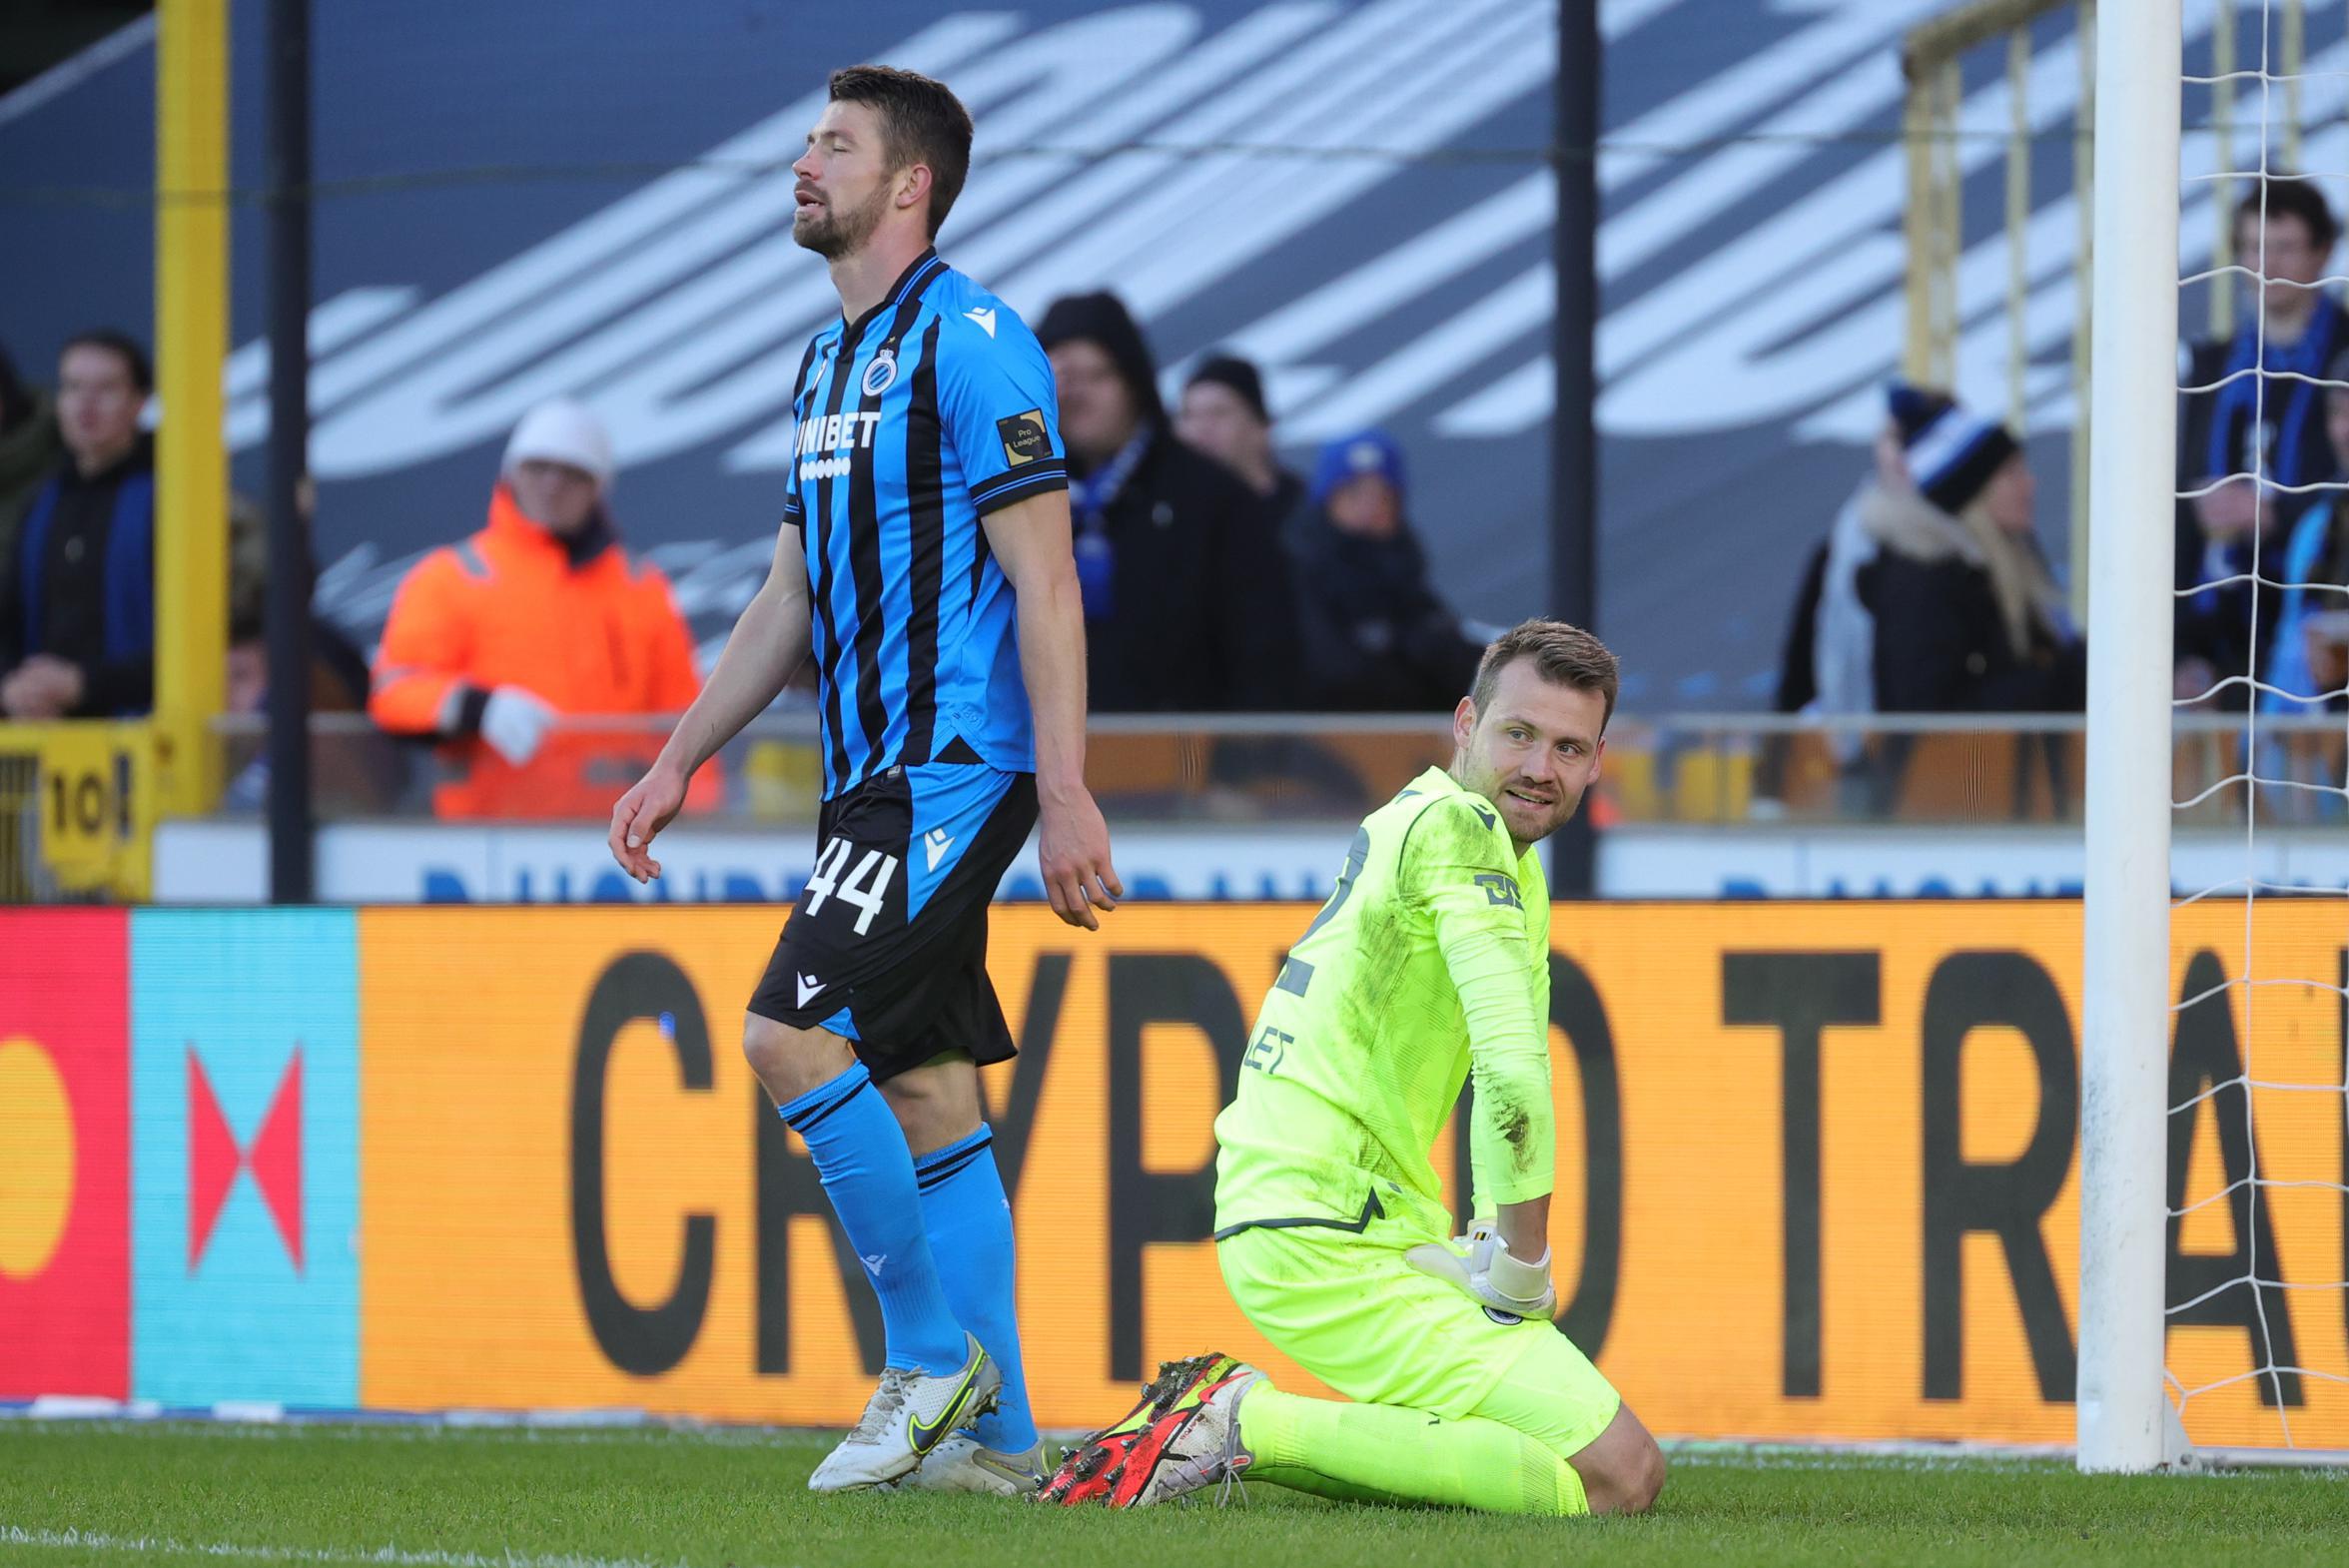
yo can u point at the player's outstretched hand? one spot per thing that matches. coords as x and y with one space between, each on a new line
1480 1265
1073 851
647 809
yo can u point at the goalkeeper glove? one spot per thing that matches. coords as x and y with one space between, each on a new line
1482 1266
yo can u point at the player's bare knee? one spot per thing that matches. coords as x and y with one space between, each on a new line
1634 1478
789 1062
763 1048
1648 1484
1623 1468
1624 1483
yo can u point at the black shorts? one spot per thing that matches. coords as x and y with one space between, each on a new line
887 945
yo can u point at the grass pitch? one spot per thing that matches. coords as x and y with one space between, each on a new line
428 1497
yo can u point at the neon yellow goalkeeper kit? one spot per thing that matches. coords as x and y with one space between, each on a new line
1429 965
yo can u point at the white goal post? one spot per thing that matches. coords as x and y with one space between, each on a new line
2123 1409
2214 1114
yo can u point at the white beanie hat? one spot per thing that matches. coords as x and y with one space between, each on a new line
566 432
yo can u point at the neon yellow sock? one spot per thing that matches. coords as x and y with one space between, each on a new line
1385 1453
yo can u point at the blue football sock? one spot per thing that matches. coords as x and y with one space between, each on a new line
970 1225
868 1173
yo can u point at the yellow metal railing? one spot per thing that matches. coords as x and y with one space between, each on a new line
1933 57
190 342
79 801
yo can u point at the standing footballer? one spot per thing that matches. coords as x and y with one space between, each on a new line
1430 964
925 557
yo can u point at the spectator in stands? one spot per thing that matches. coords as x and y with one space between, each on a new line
29 449
1967 616
2307 661
1187 600
1375 636
1224 414
29 446
2308 656
77 590
2272 423
1828 664
491 641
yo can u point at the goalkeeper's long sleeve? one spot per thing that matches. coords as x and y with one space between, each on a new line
1462 869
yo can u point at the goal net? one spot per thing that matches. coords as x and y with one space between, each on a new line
2215 1314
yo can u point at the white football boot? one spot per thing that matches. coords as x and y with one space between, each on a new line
961 1463
910 1414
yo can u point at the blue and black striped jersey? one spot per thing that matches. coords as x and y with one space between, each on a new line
916 419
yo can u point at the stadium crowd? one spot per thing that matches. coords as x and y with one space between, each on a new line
1931 594
1215 579
1316 592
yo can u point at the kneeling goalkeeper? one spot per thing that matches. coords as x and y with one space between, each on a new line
1429 963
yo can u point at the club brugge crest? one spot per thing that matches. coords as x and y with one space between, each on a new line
881 375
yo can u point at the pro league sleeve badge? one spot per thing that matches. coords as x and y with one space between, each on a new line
1025 438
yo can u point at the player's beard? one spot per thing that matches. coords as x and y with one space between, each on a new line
1492 784
1539 823
833 234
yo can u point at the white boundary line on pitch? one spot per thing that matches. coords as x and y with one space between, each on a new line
393 1556
1938 1454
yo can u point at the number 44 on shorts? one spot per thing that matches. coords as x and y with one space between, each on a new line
865 885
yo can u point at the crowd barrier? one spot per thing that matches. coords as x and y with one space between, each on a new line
1818 1163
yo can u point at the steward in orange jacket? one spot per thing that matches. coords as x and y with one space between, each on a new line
492 641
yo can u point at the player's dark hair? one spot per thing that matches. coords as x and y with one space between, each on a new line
121 346
1563 655
2289 195
922 122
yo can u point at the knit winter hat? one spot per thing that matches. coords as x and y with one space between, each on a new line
563 432
1350 457
1103 319
1243 379
1951 452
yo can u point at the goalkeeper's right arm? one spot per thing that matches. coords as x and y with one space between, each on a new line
1512 1137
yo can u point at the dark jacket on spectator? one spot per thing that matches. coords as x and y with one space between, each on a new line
1376 638
1289 494
1193 616
1200 604
2281 427
1946 639
79 584
29 449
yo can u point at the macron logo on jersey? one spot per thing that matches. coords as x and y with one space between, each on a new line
936 841
983 314
809 986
